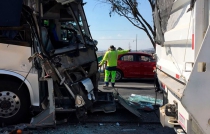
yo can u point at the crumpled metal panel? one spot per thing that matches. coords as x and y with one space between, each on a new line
89 87
64 1
47 116
67 1
125 104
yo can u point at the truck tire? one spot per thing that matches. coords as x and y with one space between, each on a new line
14 103
119 75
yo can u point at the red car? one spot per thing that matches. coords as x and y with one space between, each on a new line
135 65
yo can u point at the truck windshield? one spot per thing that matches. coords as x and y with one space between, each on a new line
74 30
78 27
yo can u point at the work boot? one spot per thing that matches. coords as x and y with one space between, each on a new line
161 91
157 90
106 84
113 85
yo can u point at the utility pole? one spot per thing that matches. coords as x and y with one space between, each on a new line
136 42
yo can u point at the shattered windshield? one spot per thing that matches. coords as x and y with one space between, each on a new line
70 31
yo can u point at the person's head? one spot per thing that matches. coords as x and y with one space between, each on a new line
112 47
119 48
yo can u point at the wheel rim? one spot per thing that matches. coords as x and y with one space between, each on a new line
9 104
118 75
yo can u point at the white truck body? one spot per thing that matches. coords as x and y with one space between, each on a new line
183 66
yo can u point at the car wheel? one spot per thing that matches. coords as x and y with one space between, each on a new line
14 103
119 75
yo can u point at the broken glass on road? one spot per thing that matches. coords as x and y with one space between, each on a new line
145 103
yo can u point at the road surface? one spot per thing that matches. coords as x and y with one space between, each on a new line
126 87
118 122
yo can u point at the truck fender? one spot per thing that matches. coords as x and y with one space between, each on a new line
22 78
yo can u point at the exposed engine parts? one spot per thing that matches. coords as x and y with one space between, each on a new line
172 110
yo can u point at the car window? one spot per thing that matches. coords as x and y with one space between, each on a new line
127 58
144 58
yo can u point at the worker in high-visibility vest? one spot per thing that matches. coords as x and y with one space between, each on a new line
111 57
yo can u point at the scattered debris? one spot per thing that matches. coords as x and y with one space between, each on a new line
128 129
85 126
118 124
15 131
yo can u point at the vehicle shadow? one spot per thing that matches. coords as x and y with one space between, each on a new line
134 88
149 81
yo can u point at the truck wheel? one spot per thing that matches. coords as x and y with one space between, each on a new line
14 103
119 75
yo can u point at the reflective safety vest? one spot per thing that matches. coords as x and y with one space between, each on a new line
112 56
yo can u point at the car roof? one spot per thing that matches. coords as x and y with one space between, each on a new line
138 53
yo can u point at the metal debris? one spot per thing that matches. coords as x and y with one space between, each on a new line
118 124
128 129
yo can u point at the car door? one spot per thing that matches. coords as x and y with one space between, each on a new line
146 63
128 65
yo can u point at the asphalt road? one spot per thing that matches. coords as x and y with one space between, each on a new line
126 87
118 122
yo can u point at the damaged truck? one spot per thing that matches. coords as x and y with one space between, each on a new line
48 62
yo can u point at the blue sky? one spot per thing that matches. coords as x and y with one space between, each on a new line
116 30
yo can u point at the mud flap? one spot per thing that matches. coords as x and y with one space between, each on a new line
126 105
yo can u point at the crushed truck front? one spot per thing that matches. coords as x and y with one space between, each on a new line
50 60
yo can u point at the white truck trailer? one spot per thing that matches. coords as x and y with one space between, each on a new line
183 63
